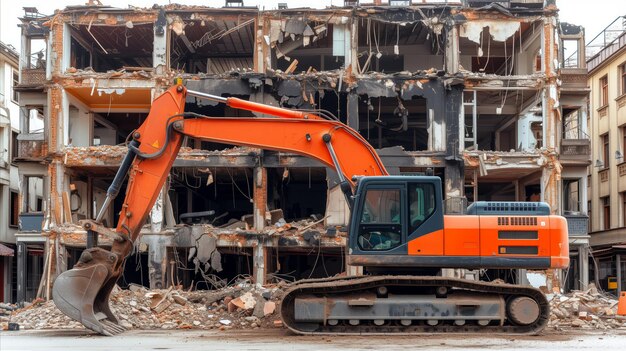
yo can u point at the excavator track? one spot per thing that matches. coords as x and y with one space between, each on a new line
411 305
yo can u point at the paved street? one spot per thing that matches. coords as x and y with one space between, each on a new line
282 340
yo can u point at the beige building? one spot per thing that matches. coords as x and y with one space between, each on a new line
607 186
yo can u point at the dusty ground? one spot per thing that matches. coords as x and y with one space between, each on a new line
280 339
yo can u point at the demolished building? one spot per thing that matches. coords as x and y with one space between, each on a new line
474 92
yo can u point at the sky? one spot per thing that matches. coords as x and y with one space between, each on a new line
593 15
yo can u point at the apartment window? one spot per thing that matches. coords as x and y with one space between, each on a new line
537 61
604 91
590 224
33 194
622 79
14 210
16 81
571 195
605 150
623 194
13 146
606 212
623 142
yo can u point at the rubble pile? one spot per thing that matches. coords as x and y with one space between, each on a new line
240 306
587 309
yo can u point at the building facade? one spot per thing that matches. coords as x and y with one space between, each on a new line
476 92
607 80
9 189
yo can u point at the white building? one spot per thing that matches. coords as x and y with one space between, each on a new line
9 188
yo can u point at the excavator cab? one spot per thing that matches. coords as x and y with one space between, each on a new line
391 211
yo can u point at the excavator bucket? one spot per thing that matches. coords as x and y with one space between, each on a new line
82 293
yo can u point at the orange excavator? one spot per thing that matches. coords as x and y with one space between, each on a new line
397 229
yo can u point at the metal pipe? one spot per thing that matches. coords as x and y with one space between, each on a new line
333 156
114 189
115 186
252 106
103 208
343 182
206 96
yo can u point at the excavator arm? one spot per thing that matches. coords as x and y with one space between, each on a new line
83 292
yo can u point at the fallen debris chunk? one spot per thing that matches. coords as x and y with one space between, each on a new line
179 299
245 301
162 306
268 308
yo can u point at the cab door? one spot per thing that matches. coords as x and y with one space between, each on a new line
425 220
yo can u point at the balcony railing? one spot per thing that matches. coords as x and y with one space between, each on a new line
31 221
577 224
604 175
34 77
578 150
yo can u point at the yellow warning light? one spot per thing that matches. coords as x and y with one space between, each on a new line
178 81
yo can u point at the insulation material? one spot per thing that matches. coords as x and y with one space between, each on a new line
499 30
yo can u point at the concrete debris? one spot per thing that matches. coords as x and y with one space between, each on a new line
587 309
244 306
139 308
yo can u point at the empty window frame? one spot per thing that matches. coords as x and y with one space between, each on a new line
605 149
16 82
606 212
14 209
604 91
622 79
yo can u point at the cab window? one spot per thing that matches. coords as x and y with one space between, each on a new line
380 225
422 204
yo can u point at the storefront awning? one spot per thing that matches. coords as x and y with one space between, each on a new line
5 251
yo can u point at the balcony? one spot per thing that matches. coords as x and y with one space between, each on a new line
575 151
31 147
577 224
